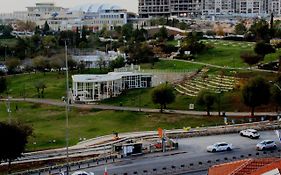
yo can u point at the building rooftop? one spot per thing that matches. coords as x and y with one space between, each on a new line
96 8
247 166
104 77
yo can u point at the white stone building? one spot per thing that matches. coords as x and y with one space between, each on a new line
90 88
94 17
96 59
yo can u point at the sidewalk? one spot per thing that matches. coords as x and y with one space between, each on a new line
135 109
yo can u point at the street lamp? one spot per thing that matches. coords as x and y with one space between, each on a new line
275 84
66 111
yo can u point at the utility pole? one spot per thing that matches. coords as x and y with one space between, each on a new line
9 110
66 111
5 53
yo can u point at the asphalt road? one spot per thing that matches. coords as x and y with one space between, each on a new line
190 157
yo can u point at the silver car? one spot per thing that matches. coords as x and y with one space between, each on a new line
266 144
221 146
251 133
82 173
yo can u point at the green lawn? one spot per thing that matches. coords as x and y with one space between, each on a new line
23 85
225 53
49 123
272 56
8 42
172 65
142 98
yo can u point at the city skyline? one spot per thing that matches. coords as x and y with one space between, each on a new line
15 5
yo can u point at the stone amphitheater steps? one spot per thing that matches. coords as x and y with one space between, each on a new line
183 92
187 90
214 83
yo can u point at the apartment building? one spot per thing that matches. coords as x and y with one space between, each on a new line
181 8
195 8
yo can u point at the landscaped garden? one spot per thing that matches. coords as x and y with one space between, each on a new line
48 122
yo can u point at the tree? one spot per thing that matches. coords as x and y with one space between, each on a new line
68 36
84 34
6 30
57 61
46 28
40 87
3 84
240 28
14 138
40 63
163 95
26 26
250 58
140 53
276 96
191 43
117 63
162 34
127 31
260 28
207 99
101 62
48 43
262 48
12 64
255 93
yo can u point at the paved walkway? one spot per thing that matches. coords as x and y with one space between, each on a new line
135 109
222 67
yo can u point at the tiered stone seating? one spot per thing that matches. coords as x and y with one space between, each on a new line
215 83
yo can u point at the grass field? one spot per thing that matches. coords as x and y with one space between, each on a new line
8 42
49 123
225 53
24 85
172 65
272 57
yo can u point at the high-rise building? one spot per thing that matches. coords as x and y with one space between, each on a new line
195 8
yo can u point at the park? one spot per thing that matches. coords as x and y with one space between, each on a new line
218 76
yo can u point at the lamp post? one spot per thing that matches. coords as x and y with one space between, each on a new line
5 53
66 111
275 84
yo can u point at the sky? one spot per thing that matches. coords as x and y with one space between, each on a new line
19 5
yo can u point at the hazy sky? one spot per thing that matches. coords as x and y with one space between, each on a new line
19 5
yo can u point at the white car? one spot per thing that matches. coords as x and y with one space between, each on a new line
221 146
82 173
251 133
266 144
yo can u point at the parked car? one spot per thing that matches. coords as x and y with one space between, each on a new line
221 146
251 133
266 144
82 173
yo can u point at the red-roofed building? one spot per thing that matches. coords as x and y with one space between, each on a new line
262 166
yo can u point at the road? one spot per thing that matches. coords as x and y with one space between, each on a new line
190 157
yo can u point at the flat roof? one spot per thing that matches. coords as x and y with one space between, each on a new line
111 76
